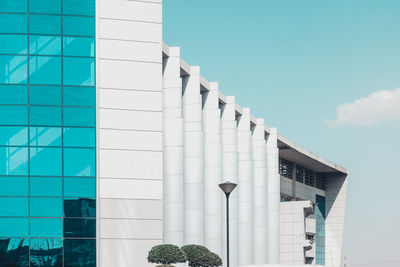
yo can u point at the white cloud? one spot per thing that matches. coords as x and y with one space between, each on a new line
369 111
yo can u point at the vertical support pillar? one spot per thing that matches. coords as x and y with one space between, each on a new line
230 172
260 241
294 180
273 197
213 198
193 158
245 164
173 150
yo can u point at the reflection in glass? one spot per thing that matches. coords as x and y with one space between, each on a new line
14 186
13 135
13 69
45 6
46 252
78 46
45 207
13 44
44 45
13 206
79 137
46 227
44 70
78 71
79 227
46 186
79 162
78 26
80 253
45 136
80 187
13 23
14 252
79 96
14 227
13 94
80 207
45 161
45 24
13 161
50 116
85 117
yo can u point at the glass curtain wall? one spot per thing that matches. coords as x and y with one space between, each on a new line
320 229
47 133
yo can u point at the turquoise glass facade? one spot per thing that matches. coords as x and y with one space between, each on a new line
320 216
47 133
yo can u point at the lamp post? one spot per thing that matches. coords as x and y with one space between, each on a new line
227 188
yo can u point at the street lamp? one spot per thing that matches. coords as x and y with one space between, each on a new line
227 188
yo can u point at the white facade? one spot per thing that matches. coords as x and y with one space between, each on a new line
166 137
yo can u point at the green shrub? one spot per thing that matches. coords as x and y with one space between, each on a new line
166 254
199 256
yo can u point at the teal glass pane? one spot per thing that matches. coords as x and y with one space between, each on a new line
13 136
78 26
46 186
13 247
80 187
45 161
79 137
78 46
45 24
45 6
46 227
13 69
46 207
13 44
79 7
80 207
79 71
79 162
45 136
44 95
13 94
85 117
13 115
45 70
13 6
14 227
13 206
44 45
13 23
50 116
46 252
14 186
79 227
79 96
13 161
79 253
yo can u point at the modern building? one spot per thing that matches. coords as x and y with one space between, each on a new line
110 143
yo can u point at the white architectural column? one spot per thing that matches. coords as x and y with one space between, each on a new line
193 158
173 150
260 241
230 172
245 164
274 189
213 197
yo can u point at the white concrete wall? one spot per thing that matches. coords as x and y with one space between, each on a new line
129 131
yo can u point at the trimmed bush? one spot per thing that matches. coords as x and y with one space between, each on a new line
200 256
166 255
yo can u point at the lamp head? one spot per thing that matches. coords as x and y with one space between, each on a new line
227 187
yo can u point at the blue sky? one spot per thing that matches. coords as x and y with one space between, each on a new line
294 63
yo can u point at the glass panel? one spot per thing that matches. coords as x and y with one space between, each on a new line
46 252
13 44
79 162
80 187
13 161
46 227
79 26
79 7
45 136
79 46
13 94
13 136
13 115
79 227
79 71
14 252
14 206
45 6
46 161
14 227
45 24
45 95
13 69
45 70
13 23
79 253
79 96
44 45
46 186
45 116
14 186
46 207
80 207
85 117
79 137
13 6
